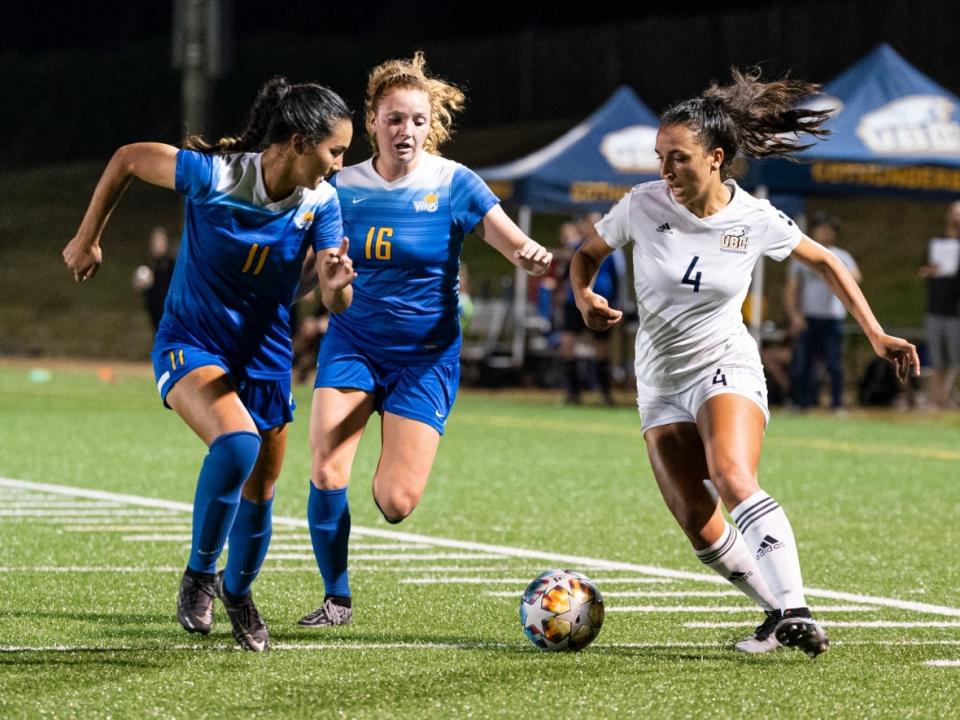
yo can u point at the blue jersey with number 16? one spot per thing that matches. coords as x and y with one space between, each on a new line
239 261
405 242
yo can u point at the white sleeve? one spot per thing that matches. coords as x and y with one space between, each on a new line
614 227
782 235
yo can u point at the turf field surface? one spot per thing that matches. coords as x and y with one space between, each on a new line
94 524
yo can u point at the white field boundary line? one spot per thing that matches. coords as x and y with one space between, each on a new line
943 663
909 624
553 558
338 646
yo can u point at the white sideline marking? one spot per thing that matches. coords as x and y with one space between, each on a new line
40 505
401 557
90 569
83 513
600 646
646 593
553 558
943 663
521 582
159 537
725 609
362 546
125 528
842 624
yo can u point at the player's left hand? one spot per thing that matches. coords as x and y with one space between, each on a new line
336 268
533 257
901 353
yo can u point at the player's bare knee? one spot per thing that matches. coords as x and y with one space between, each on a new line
733 480
395 506
327 477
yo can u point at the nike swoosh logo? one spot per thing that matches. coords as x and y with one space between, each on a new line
438 413
358 200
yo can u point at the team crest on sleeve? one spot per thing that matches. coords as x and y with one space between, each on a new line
430 203
734 239
303 220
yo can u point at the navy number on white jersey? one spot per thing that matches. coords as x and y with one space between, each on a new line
695 280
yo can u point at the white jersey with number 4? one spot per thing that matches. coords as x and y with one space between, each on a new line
691 276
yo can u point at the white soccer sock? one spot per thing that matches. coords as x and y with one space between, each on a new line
730 557
769 536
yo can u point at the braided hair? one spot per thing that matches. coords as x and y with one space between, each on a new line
757 119
280 111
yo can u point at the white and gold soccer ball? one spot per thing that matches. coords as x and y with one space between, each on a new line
561 610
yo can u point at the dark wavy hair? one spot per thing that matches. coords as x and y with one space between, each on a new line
280 111
757 119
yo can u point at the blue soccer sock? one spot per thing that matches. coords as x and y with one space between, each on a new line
249 540
225 470
328 514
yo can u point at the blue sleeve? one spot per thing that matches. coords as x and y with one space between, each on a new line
470 199
196 174
327 225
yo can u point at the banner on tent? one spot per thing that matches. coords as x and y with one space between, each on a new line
876 175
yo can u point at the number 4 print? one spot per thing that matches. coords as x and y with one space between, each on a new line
695 280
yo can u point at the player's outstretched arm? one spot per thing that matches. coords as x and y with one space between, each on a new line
499 231
898 351
154 163
335 272
597 313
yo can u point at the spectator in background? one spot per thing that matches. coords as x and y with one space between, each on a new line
153 279
606 283
942 322
816 318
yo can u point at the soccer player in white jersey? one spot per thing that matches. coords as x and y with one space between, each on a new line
254 206
703 403
396 350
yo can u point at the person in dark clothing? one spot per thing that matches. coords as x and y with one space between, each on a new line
153 279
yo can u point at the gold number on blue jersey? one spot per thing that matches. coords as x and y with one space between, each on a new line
252 255
379 248
174 357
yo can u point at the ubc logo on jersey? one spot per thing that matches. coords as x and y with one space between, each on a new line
734 239
430 203
303 221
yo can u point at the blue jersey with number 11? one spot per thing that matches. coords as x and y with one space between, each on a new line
239 261
405 242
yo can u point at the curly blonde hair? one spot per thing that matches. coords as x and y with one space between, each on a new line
445 99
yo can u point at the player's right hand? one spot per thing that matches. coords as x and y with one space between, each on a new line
336 268
597 313
82 259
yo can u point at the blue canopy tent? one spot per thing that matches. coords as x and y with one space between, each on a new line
895 131
589 168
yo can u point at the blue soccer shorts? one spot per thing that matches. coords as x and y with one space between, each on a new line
269 401
424 393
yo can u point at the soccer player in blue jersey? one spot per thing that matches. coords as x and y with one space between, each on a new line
255 206
396 350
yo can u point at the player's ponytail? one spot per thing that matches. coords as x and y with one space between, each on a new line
758 119
279 111
445 99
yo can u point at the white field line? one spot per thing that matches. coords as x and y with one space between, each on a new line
943 663
725 609
181 526
399 557
83 513
520 582
91 569
553 558
40 505
645 594
842 624
600 646
169 522
159 537
361 546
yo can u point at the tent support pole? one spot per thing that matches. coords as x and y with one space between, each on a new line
524 218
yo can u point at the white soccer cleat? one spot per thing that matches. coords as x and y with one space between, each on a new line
764 638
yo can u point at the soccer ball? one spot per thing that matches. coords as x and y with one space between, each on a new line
561 610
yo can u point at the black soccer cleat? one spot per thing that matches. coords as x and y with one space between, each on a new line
195 601
797 629
248 627
334 611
